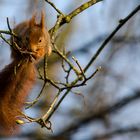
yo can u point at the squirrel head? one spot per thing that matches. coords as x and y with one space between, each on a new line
38 39
33 39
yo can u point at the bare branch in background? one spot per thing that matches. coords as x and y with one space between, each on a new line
108 110
119 131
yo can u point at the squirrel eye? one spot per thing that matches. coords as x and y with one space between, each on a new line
40 40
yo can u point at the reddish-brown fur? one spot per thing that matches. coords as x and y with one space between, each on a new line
17 78
14 88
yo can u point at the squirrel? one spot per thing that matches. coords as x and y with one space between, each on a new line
17 79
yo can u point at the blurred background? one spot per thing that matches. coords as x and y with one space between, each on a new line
108 107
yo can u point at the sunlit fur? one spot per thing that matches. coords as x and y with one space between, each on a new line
17 79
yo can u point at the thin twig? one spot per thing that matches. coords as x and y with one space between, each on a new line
83 83
67 75
82 72
52 83
4 39
45 117
30 104
66 59
56 9
8 24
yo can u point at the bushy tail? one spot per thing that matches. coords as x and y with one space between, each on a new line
16 80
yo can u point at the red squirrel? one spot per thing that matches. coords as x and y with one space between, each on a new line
16 79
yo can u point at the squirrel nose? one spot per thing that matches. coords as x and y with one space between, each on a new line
33 48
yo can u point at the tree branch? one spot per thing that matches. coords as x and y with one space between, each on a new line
96 55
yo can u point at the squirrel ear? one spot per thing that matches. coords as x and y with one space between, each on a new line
32 21
42 20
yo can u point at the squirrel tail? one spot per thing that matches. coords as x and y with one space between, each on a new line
15 83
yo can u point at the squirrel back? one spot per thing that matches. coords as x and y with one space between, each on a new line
17 78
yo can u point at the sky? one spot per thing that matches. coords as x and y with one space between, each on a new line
98 20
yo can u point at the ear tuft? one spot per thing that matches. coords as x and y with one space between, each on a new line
32 21
42 20
38 20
